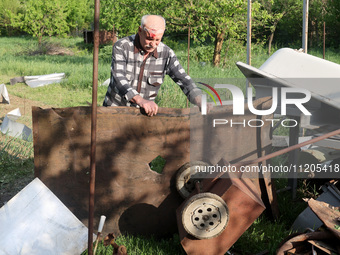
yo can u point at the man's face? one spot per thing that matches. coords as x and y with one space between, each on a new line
149 39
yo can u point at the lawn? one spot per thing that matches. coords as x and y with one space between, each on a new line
20 56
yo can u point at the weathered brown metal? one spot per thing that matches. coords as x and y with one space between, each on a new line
245 205
328 215
296 240
326 247
134 198
117 249
93 127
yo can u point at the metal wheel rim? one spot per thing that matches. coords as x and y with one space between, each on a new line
205 215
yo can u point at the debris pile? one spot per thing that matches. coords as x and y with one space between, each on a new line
323 240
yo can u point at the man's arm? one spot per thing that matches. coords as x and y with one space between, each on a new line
119 66
179 76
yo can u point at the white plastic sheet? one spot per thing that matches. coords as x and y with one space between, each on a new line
36 222
4 93
11 127
42 80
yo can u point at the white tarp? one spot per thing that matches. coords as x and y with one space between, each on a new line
36 222
4 94
11 127
42 80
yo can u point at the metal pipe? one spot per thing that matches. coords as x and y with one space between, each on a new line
305 26
249 33
324 40
188 64
248 43
93 126
283 151
291 148
188 50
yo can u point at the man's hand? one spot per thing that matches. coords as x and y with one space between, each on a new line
150 107
198 102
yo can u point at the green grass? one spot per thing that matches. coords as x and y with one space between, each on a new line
16 164
76 90
138 245
16 156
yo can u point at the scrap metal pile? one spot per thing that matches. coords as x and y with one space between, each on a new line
325 240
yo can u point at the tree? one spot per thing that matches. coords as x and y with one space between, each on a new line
8 7
216 19
316 19
273 11
332 18
123 16
42 17
79 14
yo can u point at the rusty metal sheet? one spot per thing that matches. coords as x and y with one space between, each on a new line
134 198
245 205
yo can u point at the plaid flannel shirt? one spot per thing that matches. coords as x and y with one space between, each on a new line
131 75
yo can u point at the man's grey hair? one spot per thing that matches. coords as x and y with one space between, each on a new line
143 20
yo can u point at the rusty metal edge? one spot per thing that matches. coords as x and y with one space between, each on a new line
93 126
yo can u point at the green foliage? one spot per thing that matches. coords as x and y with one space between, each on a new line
332 19
46 17
202 53
157 164
219 21
7 7
42 17
272 13
209 20
124 15
79 14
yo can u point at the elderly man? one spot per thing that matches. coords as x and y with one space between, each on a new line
139 64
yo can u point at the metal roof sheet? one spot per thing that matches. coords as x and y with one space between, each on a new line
292 68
